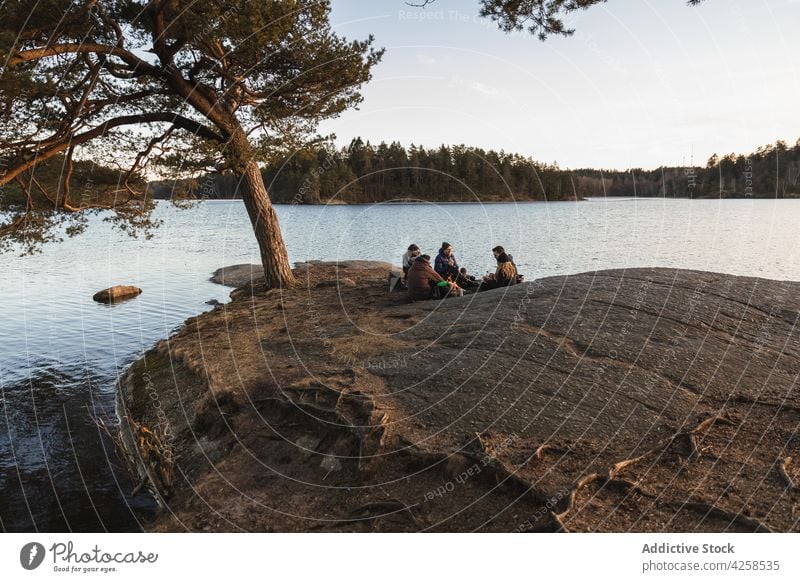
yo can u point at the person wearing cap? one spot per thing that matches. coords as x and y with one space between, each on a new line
408 258
446 264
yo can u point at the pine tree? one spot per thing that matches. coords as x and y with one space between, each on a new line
201 77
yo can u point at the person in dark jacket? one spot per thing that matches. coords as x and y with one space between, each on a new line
506 273
422 278
466 281
446 264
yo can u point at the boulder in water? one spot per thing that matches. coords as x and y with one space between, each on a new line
116 293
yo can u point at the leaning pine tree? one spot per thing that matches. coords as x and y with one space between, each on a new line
203 84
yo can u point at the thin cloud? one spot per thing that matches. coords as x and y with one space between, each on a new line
482 88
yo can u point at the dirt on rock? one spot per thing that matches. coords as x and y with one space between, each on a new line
622 400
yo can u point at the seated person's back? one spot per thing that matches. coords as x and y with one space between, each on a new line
421 278
506 273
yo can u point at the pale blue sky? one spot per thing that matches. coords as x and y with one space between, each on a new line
641 83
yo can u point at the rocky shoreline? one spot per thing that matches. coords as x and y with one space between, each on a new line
620 400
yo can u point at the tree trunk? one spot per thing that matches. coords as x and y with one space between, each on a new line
277 272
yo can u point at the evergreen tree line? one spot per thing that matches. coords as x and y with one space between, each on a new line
772 171
365 173
92 183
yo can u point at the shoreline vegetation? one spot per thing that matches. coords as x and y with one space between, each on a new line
363 173
346 408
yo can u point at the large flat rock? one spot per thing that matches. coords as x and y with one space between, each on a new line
621 400
238 275
613 355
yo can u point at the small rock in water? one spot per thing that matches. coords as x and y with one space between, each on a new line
213 302
116 293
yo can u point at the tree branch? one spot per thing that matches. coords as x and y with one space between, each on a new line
53 200
13 226
131 59
143 154
202 98
37 156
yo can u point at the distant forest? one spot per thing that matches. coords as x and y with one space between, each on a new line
772 171
365 173
90 183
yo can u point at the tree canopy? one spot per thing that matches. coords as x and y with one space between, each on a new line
206 85
192 86
542 18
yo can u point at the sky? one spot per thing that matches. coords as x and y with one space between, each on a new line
641 83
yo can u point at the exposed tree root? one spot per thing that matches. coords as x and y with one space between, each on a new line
718 418
503 475
749 400
666 444
691 435
492 471
611 480
783 470
373 438
558 525
547 448
352 411
555 519
139 487
627 487
618 467
573 493
152 447
751 523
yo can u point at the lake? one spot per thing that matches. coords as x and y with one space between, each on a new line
62 352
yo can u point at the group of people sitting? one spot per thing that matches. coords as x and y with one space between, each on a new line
447 279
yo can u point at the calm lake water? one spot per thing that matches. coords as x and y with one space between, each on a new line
62 351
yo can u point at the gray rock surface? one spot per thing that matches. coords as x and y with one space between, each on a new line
621 400
238 275
620 356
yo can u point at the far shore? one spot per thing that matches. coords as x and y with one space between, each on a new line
492 202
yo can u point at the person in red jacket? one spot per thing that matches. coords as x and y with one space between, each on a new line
422 279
